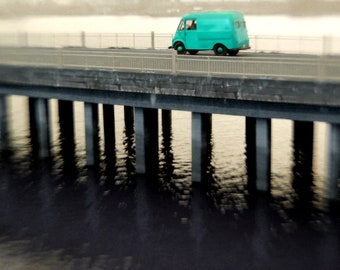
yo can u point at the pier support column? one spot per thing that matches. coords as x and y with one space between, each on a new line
333 161
201 135
258 132
40 127
91 134
251 152
3 123
109 132
66 124
146 132
263 154
303 138
128 117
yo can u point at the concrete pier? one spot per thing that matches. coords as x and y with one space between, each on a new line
91 133
146 132
40 127
201 136
333 161
143 92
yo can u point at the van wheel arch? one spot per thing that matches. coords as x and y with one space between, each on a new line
220 49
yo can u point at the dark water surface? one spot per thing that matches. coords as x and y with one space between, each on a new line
59 214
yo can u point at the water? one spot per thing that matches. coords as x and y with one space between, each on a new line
59 214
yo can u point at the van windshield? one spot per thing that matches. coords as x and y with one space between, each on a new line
181 26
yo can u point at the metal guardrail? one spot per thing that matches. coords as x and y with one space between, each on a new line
317 68
259 43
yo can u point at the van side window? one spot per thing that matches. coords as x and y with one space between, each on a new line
191 24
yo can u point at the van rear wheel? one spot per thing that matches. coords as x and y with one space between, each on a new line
220 50
180 48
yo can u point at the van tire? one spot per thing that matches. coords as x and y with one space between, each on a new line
220 50
233 52
180 48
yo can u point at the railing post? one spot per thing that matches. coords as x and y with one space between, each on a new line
326 45
209 66
173 62
83 40
152 40
255 42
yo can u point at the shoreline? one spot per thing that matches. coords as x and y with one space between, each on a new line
257 8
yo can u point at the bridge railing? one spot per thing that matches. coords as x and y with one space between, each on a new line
316 68
259 43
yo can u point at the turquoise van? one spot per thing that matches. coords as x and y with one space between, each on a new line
222 32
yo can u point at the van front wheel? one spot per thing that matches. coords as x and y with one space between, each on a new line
180 48
220 50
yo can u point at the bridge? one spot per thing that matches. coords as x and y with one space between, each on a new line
302 88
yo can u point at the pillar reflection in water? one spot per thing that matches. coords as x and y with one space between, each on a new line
129 142
3 124
167 156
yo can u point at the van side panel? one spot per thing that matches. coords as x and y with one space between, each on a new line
211 32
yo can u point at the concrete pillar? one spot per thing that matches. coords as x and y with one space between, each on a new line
66 116
263 154
333 161
128 117
66 124
166 122
251 152
201 135
40 127
258 144
3 123
91 134
303 138
109 132
166 162
146 132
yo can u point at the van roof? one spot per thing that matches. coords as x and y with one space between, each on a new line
212 14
